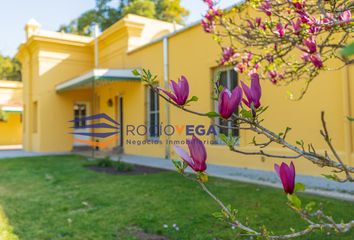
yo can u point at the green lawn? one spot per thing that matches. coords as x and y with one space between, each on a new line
57 198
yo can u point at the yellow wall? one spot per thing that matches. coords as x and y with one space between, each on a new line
194 54
11 130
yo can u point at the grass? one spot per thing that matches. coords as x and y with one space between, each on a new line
57 198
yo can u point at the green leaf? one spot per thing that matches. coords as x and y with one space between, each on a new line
246 114
192 99
180 165
309 207
348 50
351 119
333 177
299 187
294 200
223 138
212 114
136 72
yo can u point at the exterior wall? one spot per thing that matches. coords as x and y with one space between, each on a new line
11 104
197 62
193 54
11 130
43 68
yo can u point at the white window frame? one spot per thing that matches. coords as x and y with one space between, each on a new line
80 104
149 112
217 120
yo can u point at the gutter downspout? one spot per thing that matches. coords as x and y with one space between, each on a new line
347 112
166 79
96 32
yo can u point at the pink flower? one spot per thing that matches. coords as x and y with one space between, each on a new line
269 58
208 22
315 25
207 26
266 7
240 67
310 43
281 30
316 60
253 93
197 156
272 74
258 21
296 26
304 16
180 91
287 176
299 5
346 16
229 102
228 54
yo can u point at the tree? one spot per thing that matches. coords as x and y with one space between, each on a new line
141 7
305 35
10 68
170 11
105 14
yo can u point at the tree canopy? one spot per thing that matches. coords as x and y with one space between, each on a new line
10 69
106 14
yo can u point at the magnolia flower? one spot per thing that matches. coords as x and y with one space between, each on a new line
240 67
208 22
207 26
281 30
253 93
272 74
287 176
197 154
210 3
299 5
180 91
258 21
310 43
304 16
228 54
296 26
346 16
228 102
266 7
315 25
316 60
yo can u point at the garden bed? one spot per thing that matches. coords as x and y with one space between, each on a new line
137 170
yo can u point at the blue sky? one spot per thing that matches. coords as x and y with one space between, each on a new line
51 14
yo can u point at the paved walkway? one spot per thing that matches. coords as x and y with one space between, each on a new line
20 153
315 185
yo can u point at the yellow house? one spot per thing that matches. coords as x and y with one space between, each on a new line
10 113
70 77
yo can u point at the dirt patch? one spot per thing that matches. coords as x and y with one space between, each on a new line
137 170
147 236
138 233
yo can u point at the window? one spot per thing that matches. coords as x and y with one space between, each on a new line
80 112
35 117
153 114
228 79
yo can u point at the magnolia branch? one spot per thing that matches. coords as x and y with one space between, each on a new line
329 225
313 156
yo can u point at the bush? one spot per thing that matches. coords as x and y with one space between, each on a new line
124 167
105 162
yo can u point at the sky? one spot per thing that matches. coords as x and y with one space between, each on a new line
51 14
